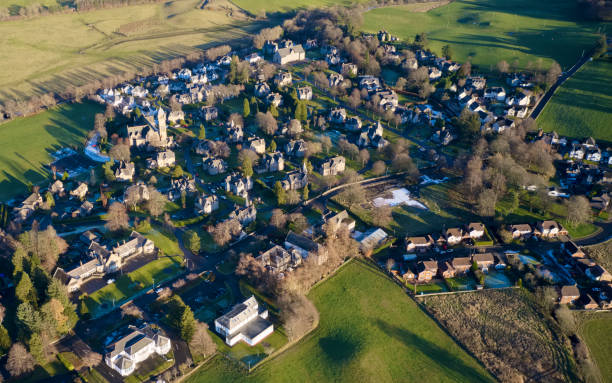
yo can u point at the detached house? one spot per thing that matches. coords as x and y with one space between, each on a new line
245 322
271 162
209 113
337 115
238 185
214 166
81 191
283 79
295 180
568 294
258 145
206 204
426 270
475 230
306 247
262 89
335 221
333 166
125 171
288 55
549 229
162 160
124 355
484 261
295 148
304 93
453 236
57 187
278 260
520 231
28 207
244 215
418 243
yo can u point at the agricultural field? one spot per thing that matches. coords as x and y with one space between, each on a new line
596 331
257 7
507 332
582 107
486 31
369 331
27 143
78 48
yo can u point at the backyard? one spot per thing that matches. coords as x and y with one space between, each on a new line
27 143
487 31
368 331
582 107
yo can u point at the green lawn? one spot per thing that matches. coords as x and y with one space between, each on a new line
126 286
582 107
598 334
27 142
167 242
369 331
256 7
486 31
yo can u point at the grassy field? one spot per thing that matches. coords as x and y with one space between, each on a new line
27 142
256 7
486 31
369 331
80 47
602 253
507 332
597 333
582 107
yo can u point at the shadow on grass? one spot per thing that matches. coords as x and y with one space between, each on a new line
440 357
339 349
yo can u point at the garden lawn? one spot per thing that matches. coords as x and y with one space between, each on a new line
128 285
597 333
27 143
369 331
582 107
487 31
166 242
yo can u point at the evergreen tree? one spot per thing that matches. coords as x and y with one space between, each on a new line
246 109
28 320
305 192
300 112
24 291
5 340
279 192
188 324
272 148
40 280
202 132
36 348
273 111
18 260
233 74
247 167
193 241
49 199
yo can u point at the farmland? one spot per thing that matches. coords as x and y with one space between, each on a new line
597 333
27 143
270 6
369 330
507 332
582 107
486 31
78 48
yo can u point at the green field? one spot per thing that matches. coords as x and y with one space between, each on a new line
73 49
582 107
597 333
256 7
486 31
369 331
27 142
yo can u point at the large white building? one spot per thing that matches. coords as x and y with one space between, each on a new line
246 322
125 354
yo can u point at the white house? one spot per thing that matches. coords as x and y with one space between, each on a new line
245 322
125 354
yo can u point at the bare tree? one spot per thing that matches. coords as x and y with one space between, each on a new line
486 203
131 310
117 217
326 143
278 219
382 216
202 343
353 196
156 203
364 156
354 100
19 360
224 231
120 152
578 210
378 168
298 314
266 122
503 67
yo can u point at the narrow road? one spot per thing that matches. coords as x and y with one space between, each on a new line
566 75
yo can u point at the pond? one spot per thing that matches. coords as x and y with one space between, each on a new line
497 279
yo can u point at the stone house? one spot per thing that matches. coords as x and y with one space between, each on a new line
278 260
335 79
57 187
349 69
295 148
209 113
214 166
306 247
81 191
162 160
290 54
28 207
295 180
333 166
283 79
244 215
206 204
304 93
262 89
335 221
274 99
258 145
271 162
238 185
125 171
337 115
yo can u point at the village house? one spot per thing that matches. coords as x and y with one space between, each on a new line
28 207
434 73
179 186
283 79
209 113
453 236
278 260
333 166
176 116
139 192
124 355
125 171
370 83
372 136
550 229
206 204
420 244
238 185
274 99
475 230
57 187
598 273
271 162
353 124
426 270
572 249
496 93
520 231
84 210
162 160
258 145
295 180
262 89
253 58
304 93
335 79
81 191
333 59
484 261
214 166
600 202
306 247
288 55
337 115
296 148
568 294
246 322
349 69
334 222
461 265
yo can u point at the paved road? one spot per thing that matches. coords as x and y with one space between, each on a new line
566 75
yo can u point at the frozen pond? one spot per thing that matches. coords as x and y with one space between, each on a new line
399 197
497 279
